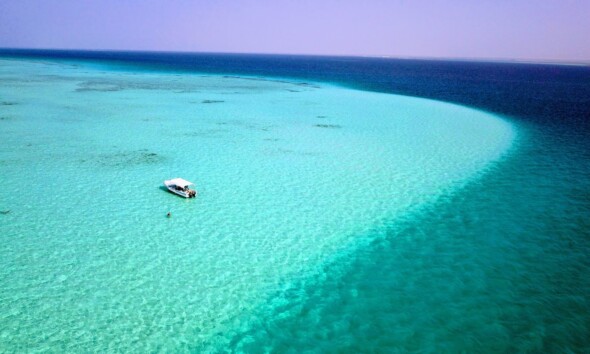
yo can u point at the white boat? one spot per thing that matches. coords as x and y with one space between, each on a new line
181 187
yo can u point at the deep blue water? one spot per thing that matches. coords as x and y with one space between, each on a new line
531 238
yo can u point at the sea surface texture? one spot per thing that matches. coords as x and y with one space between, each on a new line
345 204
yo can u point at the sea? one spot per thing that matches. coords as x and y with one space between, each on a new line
345 204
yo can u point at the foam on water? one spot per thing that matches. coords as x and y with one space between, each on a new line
290 175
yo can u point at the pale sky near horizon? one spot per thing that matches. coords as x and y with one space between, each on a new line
548 30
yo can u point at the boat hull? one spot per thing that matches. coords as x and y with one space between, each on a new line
179 193
182 193
185 193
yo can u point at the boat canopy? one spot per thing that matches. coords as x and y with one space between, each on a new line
180 182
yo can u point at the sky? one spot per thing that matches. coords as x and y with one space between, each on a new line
540 30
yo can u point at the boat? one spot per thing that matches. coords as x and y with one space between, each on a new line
181 187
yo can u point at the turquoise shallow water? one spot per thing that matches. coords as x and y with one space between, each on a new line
500 266
292 177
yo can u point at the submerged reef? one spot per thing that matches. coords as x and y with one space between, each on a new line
128 158
333 126
206 133
305 84
98 86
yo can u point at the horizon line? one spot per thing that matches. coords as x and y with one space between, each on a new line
401 57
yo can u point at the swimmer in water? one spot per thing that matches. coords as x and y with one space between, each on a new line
168 215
